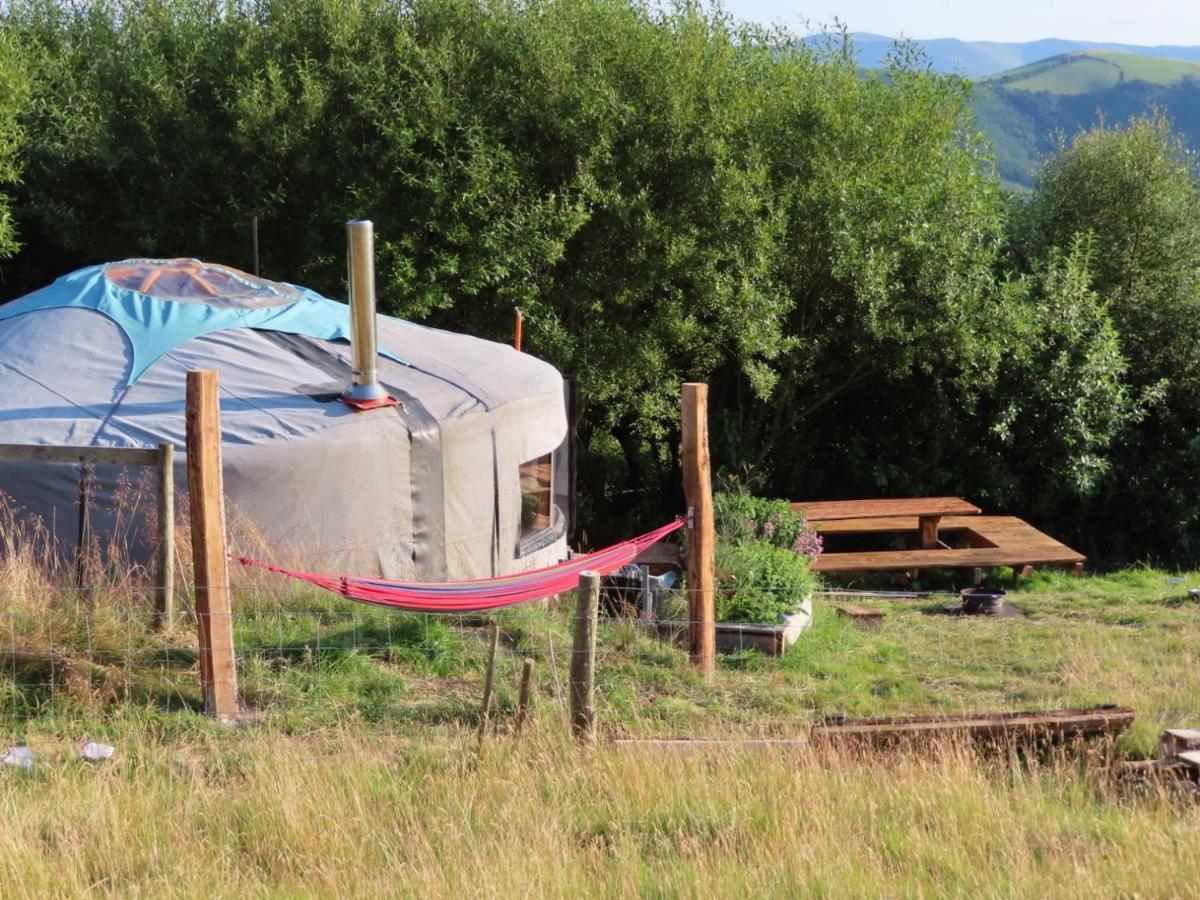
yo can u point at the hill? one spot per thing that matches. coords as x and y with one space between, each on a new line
979 59
1022 110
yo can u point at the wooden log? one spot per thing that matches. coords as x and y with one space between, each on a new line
583 658
95 456
866 617
524 694
214 614
697 485
165 601
1047 725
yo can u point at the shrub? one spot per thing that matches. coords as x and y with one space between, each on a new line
758 582
741 517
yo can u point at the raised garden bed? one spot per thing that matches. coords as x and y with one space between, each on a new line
732 637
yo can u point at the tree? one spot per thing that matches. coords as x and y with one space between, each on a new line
14 93
1134 190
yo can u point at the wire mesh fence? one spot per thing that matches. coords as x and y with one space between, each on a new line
307 659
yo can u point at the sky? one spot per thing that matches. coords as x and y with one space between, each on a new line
1115 21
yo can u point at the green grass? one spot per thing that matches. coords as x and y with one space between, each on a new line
356 771
1093 70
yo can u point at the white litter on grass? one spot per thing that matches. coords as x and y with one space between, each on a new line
19 756
93 751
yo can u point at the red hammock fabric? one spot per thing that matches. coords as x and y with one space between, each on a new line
480 594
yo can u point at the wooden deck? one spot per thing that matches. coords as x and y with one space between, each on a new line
991 541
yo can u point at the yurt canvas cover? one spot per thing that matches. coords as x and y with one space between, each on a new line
464 478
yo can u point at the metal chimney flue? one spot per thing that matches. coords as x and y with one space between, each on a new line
360 265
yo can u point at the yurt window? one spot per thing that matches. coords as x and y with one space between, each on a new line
537 483
191 281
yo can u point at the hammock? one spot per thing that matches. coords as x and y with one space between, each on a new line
480 594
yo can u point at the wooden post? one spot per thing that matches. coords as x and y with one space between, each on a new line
485 707
523 696
83 547
164 604
214 615
517 335
697 486
254 243
929 532
583 657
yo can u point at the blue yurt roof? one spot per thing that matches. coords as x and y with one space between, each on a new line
160 304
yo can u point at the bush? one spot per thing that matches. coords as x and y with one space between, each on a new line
741 517
760 583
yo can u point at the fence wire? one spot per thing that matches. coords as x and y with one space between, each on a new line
305 659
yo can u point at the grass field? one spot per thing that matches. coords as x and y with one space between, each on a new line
358 773
1093 70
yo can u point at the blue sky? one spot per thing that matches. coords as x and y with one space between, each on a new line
1120 21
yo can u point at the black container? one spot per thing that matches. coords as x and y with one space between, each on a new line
982 601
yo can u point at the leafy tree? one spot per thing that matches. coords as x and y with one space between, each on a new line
1135 191
13 96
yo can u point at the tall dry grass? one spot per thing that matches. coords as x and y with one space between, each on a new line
344 814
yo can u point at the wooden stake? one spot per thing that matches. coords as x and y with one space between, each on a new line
523 697
583 658
214 615
485 708
254 243
697 486
165 601
83 548
517 335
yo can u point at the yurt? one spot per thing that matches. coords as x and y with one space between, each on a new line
438 456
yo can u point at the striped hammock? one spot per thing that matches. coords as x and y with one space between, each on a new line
480 594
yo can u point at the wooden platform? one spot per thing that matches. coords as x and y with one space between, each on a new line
991 541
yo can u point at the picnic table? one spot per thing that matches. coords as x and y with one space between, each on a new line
990 540
928 511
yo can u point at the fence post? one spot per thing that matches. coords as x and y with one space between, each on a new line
83 547
165 602
697 486
583 657
485 707
523 696
214 615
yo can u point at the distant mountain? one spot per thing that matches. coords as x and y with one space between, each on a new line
1022 110
978 59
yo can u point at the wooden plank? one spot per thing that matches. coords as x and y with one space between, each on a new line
214 616
583 657
697 486
96 456
1040 725
165 601
829 510
868 618
1174 741
966 558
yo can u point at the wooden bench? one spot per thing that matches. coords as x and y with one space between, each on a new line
991 541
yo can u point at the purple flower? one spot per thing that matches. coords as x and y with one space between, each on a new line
808 543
